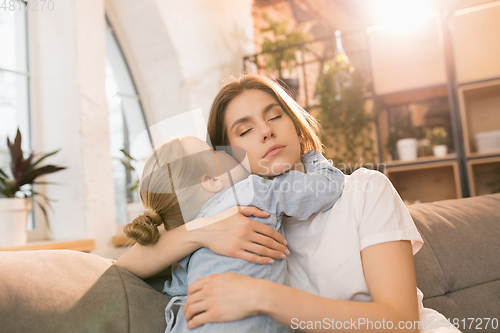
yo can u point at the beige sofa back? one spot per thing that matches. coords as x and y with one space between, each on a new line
458 268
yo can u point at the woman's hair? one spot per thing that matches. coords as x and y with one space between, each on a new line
168 182
306 126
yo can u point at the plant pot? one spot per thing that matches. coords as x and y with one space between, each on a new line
407 149
291 85
134 209
440 150
14 221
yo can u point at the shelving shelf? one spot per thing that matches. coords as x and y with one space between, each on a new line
426 182
420 160
466 47
481 172
480 112
475 42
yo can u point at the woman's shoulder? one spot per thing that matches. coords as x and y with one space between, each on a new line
364 173
366 180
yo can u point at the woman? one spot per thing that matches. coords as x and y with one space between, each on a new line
350 267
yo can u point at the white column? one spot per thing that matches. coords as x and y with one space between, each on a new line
70 113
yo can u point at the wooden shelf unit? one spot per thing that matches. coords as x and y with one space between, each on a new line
482 171
459 62
427 178
421 160
407 61
426 182
480 112
476 44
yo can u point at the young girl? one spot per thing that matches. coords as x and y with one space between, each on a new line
351 265
196 182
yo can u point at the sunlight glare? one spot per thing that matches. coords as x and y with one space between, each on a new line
400 15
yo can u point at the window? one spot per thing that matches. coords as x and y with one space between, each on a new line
126 118
14 83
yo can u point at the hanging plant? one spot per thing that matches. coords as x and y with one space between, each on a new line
347 126
282 37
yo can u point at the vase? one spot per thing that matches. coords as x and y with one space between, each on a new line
14 221
407 149
440 150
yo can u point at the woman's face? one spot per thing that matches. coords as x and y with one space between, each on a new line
256 122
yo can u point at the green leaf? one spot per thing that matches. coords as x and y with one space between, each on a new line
47 199
30 177
46 183
44 211
24 171
44 157
16 153
23 166
127 155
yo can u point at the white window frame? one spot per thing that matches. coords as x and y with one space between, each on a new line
134 95
39 230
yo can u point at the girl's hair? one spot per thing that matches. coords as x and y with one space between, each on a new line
169 180
306 126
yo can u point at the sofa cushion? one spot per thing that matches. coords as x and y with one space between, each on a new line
458 268
69 291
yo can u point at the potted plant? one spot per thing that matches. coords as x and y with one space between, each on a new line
280 51
438 136
403 138
17 193
134 206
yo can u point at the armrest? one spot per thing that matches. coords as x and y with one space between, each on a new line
65 291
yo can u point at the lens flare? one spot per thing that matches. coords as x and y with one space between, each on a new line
400 15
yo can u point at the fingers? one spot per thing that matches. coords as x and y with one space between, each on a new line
194 305
253 258
270 247
191 306
253 211
198 320
195 286
264 251
269 232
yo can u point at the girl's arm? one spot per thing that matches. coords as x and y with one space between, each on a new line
230 233
300 194
389 273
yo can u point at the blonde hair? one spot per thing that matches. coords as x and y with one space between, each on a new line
306 126
161 198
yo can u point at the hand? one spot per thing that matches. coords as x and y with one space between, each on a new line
220 298
232 234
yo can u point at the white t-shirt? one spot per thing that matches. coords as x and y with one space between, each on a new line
325 250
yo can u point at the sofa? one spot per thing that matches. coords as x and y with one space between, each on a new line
458 270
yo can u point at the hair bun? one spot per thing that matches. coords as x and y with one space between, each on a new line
152 217
144 228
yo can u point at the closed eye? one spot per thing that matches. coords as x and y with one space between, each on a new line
248 130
